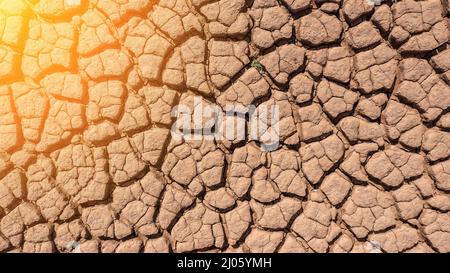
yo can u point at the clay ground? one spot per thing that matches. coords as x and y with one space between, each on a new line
88 164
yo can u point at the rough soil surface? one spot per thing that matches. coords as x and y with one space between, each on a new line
88 164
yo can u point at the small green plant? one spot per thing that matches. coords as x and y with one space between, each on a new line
256 64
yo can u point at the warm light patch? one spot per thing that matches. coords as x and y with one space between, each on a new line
224 126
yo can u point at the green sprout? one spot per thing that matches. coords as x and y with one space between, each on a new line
256 64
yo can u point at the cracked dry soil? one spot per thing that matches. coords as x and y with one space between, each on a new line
88 164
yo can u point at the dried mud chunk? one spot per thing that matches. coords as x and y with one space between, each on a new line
174 18
403 123
320 157
368 209
392 166
230 131
275 121
375 69
315 60
199 228
422 88
14 22
382 18
12 189
130 246
10 63
444 121
277 216
237 222
201 160
174 72
138 215
424 22
109 246
352 166
313 122
436 229
160 101
101 133
14 223
371 107
124 164
363 35
38 239
338 65
151 143
420 248
193 53
174 201
137 204
285 172
397 240
63 120
99 220
64 85
440 172
440 203
106 101
118 9
344 244
301 88
408 202
135 114
247 89
54 205
441 61
425 185
328 6
94 33
89 246
355 9
82 172
52 202
336 187
108 63
262 241
356 129
244 161
220 199
226 59
318 28
436 144
316 226
297 5
31 106
283 61
335 99
48 46
263 190
9 129
292 244
271 23
67 234
197 112
183 171
149 47
158 245
226 18
56 9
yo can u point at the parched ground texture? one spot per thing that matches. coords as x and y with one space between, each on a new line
88 164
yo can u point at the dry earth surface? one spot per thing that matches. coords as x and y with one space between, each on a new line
88 164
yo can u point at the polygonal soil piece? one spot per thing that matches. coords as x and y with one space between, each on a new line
318 28
283 61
